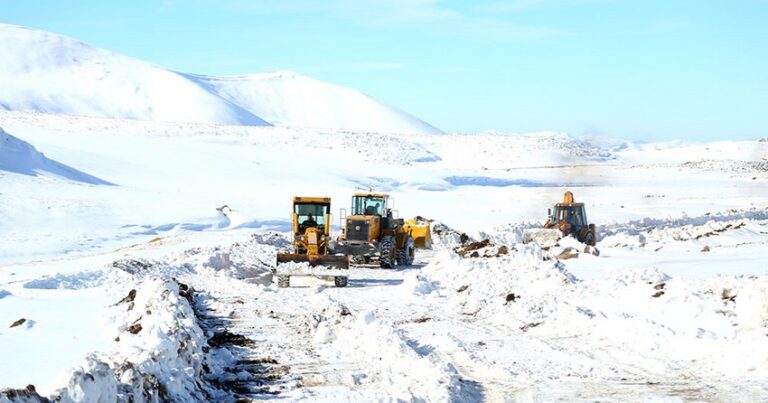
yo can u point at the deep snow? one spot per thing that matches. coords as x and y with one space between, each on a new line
653 317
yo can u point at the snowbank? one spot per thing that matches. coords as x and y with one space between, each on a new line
20 157
157 354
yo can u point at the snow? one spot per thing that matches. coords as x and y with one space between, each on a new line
104 221
290 99
54 74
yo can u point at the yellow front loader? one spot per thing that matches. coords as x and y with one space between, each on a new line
311 224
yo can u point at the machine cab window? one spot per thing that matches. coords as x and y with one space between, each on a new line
368 205
311 215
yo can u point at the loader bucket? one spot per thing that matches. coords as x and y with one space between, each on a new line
421 234
545 237
329 261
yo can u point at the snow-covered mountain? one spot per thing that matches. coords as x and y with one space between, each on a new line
50 73
289 99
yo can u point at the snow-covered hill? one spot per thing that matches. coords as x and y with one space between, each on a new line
46 72
291 99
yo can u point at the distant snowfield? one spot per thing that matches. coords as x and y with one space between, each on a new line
54 74
592 327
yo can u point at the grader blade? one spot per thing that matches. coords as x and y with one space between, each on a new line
329 261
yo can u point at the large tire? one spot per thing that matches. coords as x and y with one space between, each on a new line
406 255
283 281
387 255
340 281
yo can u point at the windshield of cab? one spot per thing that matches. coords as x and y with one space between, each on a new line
571 214
367 205
311 214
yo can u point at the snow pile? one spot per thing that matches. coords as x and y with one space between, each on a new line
157 353
524 280
49 73
20 157
640 316
664 231
344 336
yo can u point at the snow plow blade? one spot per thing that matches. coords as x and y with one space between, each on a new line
420 232
335 262
545 237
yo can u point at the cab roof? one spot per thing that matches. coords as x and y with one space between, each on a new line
366 194
315 200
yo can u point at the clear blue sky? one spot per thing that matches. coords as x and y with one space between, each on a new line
650 69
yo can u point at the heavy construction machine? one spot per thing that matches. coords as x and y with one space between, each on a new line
567 218
311 224
371 233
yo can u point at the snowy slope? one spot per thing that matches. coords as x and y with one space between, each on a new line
46 72
18 156
49 73
291 99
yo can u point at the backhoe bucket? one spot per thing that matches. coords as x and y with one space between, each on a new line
420 232
329 261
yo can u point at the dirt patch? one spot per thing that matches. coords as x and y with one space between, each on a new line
135 328
226 338
529 326
132 266
18 322
474 246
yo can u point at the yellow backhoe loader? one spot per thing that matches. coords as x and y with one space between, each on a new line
371 233
311 220
567 218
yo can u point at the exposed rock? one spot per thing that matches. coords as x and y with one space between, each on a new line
18 322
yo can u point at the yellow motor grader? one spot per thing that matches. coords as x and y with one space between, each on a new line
567 218
370 233
311 223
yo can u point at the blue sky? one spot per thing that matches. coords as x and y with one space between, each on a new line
648 70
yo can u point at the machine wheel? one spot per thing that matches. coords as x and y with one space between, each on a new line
387 254
340 281
406 255
283 281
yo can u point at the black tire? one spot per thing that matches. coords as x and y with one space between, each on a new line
387 256
340 281
406 255
283 281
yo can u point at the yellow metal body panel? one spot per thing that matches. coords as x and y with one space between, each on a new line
420 232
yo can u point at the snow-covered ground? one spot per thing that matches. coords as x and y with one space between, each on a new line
674 308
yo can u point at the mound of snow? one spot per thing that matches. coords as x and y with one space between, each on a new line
291 99
50 73
21 157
